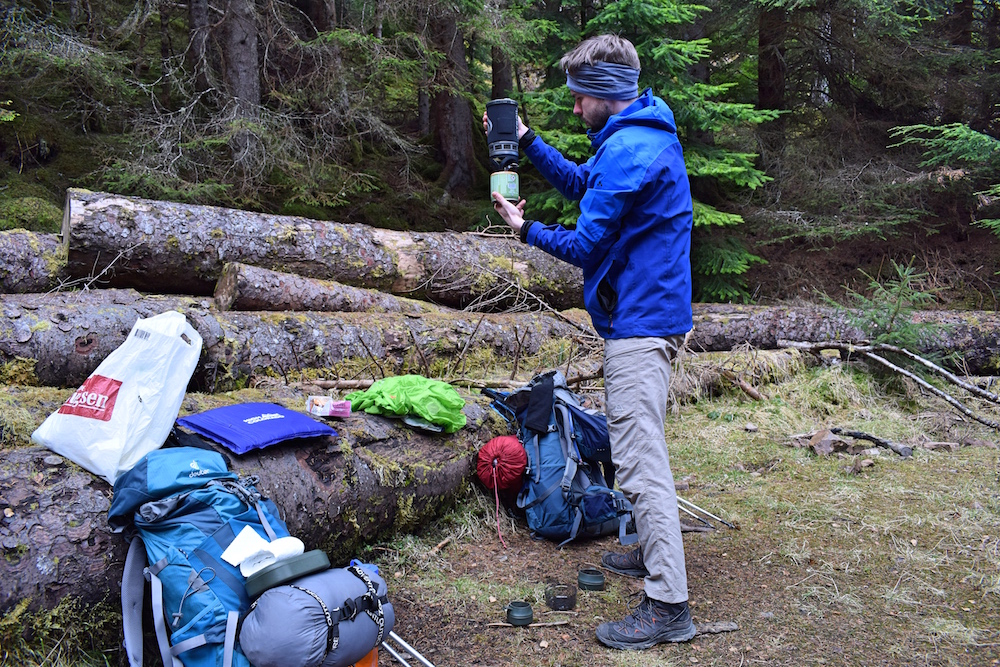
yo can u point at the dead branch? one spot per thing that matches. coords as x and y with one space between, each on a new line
743 385
902 450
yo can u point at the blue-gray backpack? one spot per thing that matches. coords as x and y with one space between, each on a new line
182 507
568 489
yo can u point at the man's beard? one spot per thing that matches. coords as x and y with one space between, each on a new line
600 118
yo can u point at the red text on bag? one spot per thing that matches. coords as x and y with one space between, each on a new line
94 399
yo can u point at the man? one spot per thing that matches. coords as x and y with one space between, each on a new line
633 242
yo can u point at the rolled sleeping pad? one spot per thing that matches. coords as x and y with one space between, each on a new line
287 626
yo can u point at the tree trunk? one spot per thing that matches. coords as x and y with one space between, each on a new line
197 52
245 287
960 23
157 246
31 262
772 28
66 335
319 12
375 478
503 78
452 116
242 72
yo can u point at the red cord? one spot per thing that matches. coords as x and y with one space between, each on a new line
496 494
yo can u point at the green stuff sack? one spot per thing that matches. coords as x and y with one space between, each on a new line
433 400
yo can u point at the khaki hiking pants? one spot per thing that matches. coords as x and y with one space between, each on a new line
636 379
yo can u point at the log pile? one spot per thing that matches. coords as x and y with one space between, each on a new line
276 297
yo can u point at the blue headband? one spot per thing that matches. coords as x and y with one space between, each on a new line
605 81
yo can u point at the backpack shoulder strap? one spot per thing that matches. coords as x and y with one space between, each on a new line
159 621
570 450
133 592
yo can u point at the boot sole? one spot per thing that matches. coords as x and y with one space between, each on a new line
637 574
672 637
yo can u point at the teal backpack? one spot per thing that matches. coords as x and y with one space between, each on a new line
181 507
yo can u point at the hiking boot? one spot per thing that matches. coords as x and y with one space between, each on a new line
653 622
630 564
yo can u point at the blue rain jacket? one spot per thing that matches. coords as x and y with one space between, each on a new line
633 237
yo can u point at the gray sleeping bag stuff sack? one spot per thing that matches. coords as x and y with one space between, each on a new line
331 619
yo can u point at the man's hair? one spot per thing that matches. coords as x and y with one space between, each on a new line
601 48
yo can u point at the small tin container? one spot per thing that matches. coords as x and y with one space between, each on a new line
507 184
560 597
519 613
590 579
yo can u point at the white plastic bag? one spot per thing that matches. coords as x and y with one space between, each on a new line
128 405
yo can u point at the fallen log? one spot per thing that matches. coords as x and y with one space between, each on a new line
31 262
246 287
160 246
973 336
374 479
64 336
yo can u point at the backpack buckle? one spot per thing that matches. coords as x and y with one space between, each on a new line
349 609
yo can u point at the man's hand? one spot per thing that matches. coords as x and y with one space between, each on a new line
522 129
511 214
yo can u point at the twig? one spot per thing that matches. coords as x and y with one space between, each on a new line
569 359
517 351
440 545
364 384
370 354
468 342
742 384
501 624
423 360
586 378
954 379
948 398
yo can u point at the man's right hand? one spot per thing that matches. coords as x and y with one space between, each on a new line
512 214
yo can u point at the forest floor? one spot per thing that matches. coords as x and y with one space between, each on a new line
856 559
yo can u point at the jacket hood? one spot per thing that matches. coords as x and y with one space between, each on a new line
647 111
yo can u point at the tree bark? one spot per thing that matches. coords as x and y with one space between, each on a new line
375 478
245 287
452 116
67 335
31 262
197 52
502 74
242 75
772 29
159 246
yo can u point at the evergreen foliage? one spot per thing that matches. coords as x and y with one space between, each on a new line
884 315
958 145
122 96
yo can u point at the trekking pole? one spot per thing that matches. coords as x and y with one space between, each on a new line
406 647
689 512
703 511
